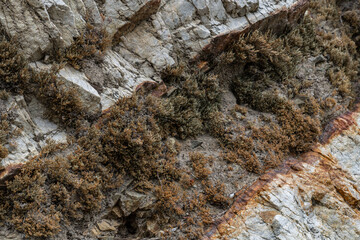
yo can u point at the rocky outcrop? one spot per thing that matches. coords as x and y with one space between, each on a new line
145 48
313 197
40 25
32 131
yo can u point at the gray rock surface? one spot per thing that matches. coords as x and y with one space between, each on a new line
89 97
34 131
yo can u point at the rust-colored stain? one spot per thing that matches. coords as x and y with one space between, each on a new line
252 191
333 129
8 172
153 88
245 199
337 126
146 86
203 65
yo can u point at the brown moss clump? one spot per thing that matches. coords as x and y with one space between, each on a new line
4 95
215 193
302 130
269 65
49 193
341 46
14 74
3 151
93 42
263 54
63 103
341 81
199 164
169 196
6 130
329 103
184 112
352 17
132 139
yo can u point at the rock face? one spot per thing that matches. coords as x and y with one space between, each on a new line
54 21
313 197
146 47
33 132
239 8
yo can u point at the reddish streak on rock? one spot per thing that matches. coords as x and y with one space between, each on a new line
242 200
249 193
8 172
337 126
244 196
153 88
146 86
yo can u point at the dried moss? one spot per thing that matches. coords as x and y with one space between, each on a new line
132 139
49 193
63 103
3 152
199 162
14 74
7 117
183 113
92 43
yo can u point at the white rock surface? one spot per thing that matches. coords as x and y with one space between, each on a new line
21 146
89 97
34 130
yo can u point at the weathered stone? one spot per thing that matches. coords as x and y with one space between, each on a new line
201 7
54 20
44 129
253 5
236 8
202 32
22 146
148 47
107 225
89 97
132 201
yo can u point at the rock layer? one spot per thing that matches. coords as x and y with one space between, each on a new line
315 196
